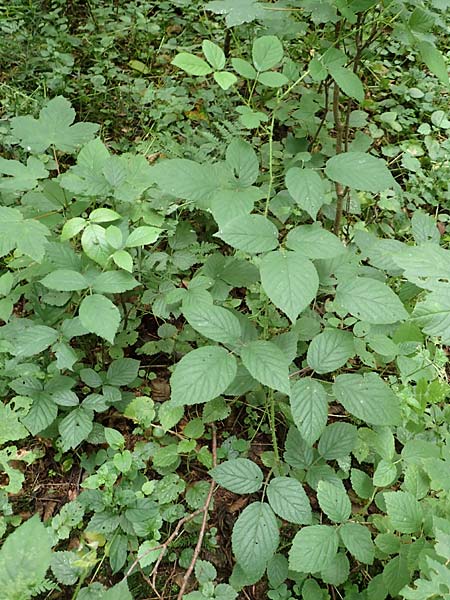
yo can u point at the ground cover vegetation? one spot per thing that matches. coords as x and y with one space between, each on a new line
224 300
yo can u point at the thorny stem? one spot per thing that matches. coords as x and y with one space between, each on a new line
273 429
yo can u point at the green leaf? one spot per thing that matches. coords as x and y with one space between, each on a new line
368 398
103 215
290 280
114 282
349 82
272 79
267 364
28 235
337 571
185 179
314 242
313 548
99 315
119 591
267 52
214 322
239 475
337 441
330 350
242 160
94 244
434 61
24 560
122 371
404 511
65 280
11 428
236 11
289 501
52 128
34 339
41 415
214 55
202 375
433 314
243 68
307 188
360 171
251 233
309 406
225 79
370 300
142 236
334 501
20 177
193 65
123 260
75 427
255 538
358 541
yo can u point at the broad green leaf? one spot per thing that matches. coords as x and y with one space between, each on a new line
360 171
11 428
267 52
99 315
334 501
214 55
330 350
27 235
309 406
185 179
424 228
242 160
239 475
52 128
337 571
434 61
95 245
307 188
34 339
255 538
267 364
290 280
42 413
214 322
337 441
314 242
385 474
193 65
289 501
370 300
123 260
142 236
404 511
272 79
113 282
75 427
368 398
349 82
24 560
236 11
358 541
19 177
122 371
119 591
313 548
298 453
243 68
72 227
65 280
103 215
433 314
251 233
202 375
225 79
227 205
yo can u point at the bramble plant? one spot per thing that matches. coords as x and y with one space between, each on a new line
284 270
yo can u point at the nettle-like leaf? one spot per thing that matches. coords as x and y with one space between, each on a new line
334 501
255 538
290 280
18 177
237 12
313 548
267 364
358 541
368 398
309 406
75 427
239 475
307 188
289 501
251 233
24 560
99 315
360 171
314 242
202 375
330 350
52 128
404 511
27 235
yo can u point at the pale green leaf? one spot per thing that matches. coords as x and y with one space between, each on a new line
337 441
334 501
314 242
202 375
75 427
309 406
434 61
225 79
370 300
307 188
122 371
289 501
214 322
349 82
267 52
290 280
404 511
251 233
360 171
313 548
242 160
267 364
368 398
141 236
34 339
236 11
358 541
239 475
113 282
65 280
193 65
255 538
330 350
99 315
